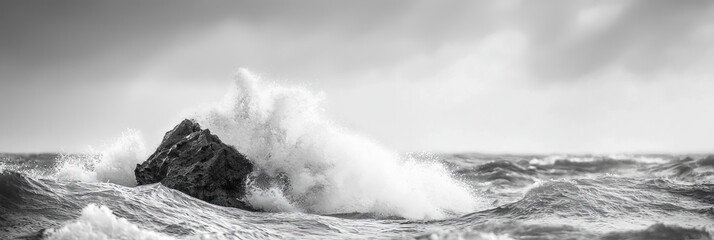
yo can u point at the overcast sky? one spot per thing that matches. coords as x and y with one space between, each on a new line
487 76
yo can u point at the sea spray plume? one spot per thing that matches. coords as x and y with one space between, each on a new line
114 164
76 167
305 162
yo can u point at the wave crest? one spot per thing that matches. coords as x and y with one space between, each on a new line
98 222
318 166
114 164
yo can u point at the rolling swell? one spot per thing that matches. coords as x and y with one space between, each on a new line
599 165
577 207
687 169
318 180
660 231
590 208
28 205
703 193
589 197
58 209
512 230
499 172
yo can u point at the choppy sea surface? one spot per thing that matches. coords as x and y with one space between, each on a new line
514 197
314 179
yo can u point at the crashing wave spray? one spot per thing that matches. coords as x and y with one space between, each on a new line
98 222
115 164
305 162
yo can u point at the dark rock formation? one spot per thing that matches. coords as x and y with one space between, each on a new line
196 162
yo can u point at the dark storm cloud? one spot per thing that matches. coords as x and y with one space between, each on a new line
86 40
93 40
646 37
79 59
42 39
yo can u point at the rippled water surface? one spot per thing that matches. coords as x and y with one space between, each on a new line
515 197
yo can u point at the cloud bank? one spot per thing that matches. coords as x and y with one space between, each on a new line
499 76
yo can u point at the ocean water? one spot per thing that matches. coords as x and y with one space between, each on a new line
513 197
321 181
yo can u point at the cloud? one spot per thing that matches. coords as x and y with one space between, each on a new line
509 75
570 39
645 36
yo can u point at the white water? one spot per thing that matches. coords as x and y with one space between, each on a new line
97 223
316 166
114 164
310 164
551 159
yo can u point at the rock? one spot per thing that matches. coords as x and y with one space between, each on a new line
196 162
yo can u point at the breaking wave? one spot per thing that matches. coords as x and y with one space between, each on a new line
305 162
98 222
114 164
554 159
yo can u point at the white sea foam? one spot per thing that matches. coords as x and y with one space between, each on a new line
638 158
113 164
271 199
319 167
97 223
465 234
551 159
